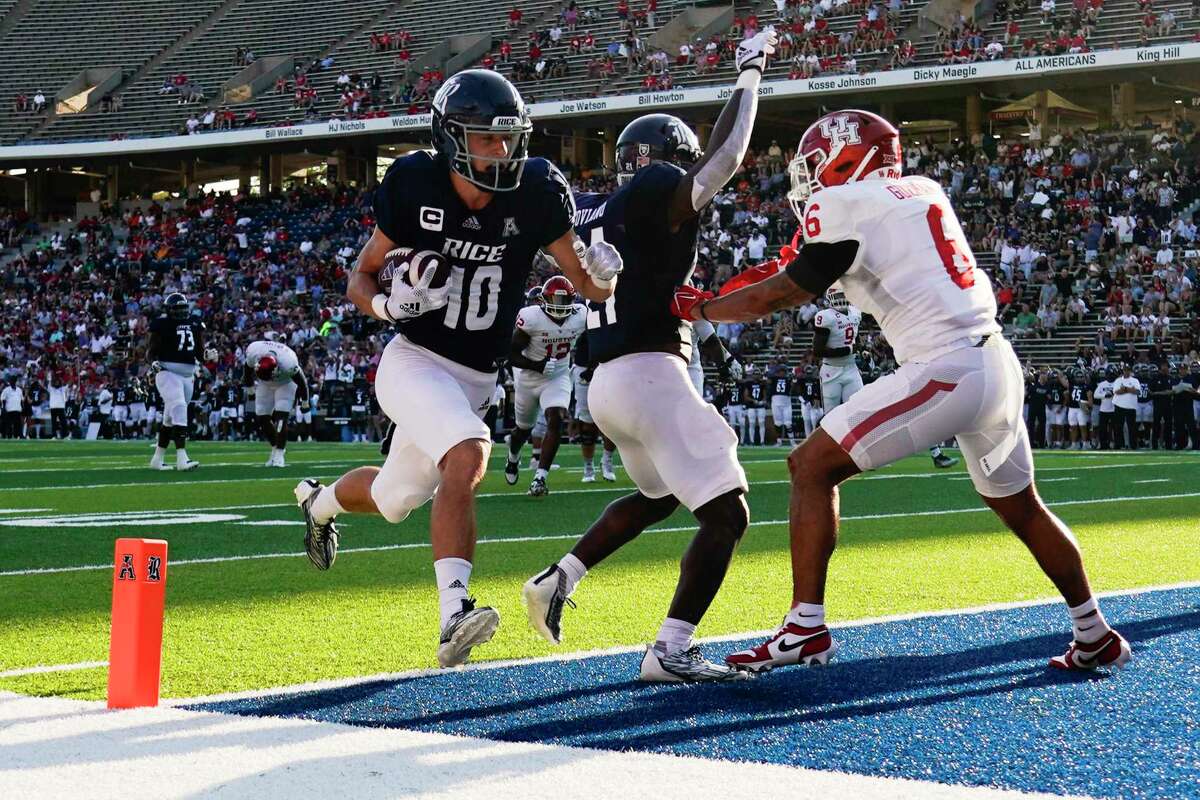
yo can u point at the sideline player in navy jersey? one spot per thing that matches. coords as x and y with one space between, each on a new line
487 208
674 446
175 347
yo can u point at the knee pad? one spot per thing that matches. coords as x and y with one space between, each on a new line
396 503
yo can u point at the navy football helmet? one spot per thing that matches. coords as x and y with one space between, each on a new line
177 306
655 137
481 101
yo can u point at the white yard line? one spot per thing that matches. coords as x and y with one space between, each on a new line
38 670
1155 480
555 491
563 536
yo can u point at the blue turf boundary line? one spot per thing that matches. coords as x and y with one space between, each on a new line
956 698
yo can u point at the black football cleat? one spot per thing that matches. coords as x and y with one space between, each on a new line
943 461
320 539
538 487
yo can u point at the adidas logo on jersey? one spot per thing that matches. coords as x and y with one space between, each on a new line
472 224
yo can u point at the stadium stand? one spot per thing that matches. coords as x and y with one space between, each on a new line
200 40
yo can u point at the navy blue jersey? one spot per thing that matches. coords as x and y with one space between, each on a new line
1054 395
633 219
231 396
755 393
735 394
121 396
491 251
1077 393
176 340
1143 391
780 384
810 389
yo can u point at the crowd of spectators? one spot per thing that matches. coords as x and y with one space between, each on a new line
1079 227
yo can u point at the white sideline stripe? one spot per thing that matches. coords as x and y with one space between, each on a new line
559 536
22 510
14 673
1155 480
143 467
340 683
56 747
625 488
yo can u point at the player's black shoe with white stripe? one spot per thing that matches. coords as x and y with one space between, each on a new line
544 597
686 666
321 538
943 461
468 628
538 487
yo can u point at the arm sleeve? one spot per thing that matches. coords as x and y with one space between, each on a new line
704 330
728 142
559 208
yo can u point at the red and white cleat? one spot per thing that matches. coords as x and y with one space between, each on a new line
1111 650
791 645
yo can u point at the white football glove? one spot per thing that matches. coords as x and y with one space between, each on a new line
549 365
752 53
407 302
735 368
603 264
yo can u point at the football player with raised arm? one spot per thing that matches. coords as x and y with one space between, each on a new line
176 342
273 369
540 355
895 247
674 446
485 206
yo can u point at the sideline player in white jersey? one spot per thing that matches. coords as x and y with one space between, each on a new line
834 331
540 355
897 250
274 371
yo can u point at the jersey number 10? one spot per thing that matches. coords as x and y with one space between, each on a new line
480 295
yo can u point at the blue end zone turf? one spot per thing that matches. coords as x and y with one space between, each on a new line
963 699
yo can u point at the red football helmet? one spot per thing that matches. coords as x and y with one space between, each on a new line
265 370
558 297
843 147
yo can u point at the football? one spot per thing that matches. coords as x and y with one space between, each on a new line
410 265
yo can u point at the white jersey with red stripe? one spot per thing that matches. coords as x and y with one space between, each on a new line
914 271
287 364
843 329
549 337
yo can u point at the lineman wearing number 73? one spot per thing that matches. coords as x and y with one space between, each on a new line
480 203
894 246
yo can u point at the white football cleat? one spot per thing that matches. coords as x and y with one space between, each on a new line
588 477
186 465
544 595
608 474
468 628
686 666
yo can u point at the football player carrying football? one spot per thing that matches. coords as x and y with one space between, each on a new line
675 447
896 249
273 369
480 202
540 355
175 349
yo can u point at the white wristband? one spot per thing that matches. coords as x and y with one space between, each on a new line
601 283
379 307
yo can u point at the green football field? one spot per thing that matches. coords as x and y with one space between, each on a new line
246 610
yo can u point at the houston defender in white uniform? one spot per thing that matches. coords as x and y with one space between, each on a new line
274 370
835 329
541 358
897 250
